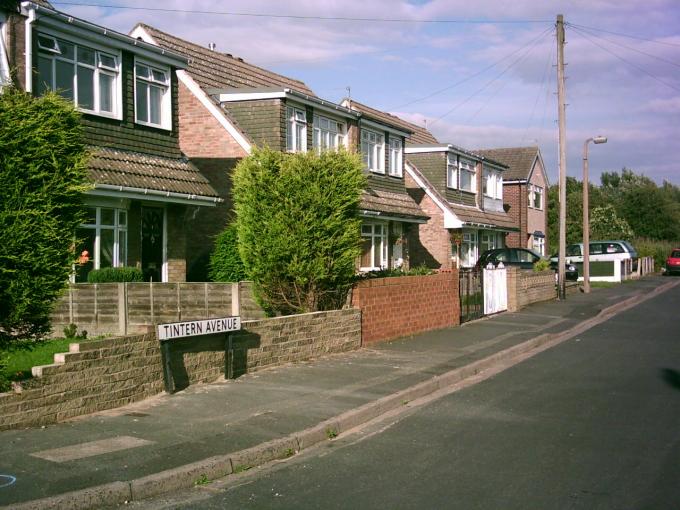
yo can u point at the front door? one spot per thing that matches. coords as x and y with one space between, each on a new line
152 243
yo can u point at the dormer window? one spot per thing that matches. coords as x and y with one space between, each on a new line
373 150
468 181
452 171
87 76
296 132
152 95
327 134
396 157
492 184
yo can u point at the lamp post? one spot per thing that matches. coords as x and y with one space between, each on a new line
586 218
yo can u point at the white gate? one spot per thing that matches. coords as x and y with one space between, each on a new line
495 289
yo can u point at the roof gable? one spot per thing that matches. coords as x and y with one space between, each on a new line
213 69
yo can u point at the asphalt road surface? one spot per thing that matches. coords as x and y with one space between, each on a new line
593 423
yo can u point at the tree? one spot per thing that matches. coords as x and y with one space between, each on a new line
42 170
605 224
298 226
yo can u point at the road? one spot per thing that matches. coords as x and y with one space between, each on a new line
592 423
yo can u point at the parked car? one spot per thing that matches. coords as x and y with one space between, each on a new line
673 262
520 257
600 251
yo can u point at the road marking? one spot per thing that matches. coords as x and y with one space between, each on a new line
91 449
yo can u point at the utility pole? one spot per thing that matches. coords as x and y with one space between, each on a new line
561 107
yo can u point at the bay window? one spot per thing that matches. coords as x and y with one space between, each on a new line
327 134
396 158
296 131
468 249
373 150
85 75
152 96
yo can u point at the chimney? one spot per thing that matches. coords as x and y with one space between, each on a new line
212 46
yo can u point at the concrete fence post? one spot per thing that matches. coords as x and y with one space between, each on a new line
236 298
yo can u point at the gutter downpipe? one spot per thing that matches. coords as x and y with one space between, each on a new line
29 50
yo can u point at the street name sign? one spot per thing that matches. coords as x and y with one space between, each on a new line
195 328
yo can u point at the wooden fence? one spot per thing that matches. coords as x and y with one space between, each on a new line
131 308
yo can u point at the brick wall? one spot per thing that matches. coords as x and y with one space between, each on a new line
401 306
515 196
16 49
526 287
114 372
429 242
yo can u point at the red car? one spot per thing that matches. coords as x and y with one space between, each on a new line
673 262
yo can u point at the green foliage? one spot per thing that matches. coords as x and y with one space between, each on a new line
42 170
660 250
71 333
115 274
298 226
541 265
4 380
225 262
606 224
649 211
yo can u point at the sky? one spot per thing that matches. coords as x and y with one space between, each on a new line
478 73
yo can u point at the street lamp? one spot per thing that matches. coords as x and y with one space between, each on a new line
586 218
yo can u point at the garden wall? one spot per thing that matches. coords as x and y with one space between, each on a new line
131 308
404 305
526 287
110 373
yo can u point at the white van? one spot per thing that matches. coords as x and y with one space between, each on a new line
606 259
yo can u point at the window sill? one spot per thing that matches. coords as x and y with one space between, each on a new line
100 114
150 125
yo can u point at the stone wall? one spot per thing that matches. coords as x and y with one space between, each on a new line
110 373
404 305
526 287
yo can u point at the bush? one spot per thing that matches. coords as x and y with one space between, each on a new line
115 274
42 170
389 273
297 218
225 262
541 265
653 248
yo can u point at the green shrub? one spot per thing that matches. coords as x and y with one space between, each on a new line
4 380
115 274
43 176
421 270
225 262
71 332
297 218
541 265
653 248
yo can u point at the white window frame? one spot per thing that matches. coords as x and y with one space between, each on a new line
396 157
373 150
164 85
120 248
469 249
377 232
296 129
535 191
54 54
492 181
469 167
538 245
328 133
452 171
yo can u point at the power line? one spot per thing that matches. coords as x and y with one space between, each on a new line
487 84
468 78
624 35
541 88
586 36
301 17
661 59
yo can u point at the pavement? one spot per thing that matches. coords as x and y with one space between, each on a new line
209 431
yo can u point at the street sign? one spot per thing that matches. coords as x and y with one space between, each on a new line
195 328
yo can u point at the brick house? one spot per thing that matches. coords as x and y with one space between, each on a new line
144 192
227 106
462 192
525 195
